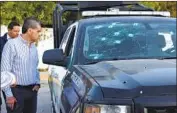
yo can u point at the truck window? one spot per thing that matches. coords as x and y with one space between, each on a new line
129 40
69 46
65 39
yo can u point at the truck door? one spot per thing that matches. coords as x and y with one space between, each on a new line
61 71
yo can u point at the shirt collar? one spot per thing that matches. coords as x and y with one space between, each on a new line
25 41
8 37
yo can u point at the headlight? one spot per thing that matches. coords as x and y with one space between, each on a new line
107 109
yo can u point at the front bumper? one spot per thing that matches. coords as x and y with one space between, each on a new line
155 104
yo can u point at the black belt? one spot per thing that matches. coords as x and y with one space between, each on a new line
25 86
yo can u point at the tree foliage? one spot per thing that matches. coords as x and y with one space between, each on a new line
170 6
20 10
43 10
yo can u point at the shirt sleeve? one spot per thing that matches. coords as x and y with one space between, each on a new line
38 77
8 54
37 71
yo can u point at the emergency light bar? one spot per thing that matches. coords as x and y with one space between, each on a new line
117 12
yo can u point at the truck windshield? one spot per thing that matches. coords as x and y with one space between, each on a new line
130 40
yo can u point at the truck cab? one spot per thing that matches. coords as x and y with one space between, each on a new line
116 57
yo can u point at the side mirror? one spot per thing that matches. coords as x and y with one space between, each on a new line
54 57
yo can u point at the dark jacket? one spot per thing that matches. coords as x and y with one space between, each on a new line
3 41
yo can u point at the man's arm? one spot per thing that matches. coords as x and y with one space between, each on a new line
37 86
8 54
37 71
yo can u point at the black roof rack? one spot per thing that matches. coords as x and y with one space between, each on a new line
63 6
104 5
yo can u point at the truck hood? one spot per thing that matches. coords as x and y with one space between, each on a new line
134 78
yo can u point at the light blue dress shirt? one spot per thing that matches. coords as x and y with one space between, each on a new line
21 59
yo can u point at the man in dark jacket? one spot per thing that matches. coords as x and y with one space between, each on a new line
13 32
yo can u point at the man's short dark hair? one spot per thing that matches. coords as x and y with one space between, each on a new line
30 22
12 24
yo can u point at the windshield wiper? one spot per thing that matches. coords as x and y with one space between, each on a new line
96 61
162 58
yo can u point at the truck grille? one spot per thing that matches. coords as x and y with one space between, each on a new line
161 110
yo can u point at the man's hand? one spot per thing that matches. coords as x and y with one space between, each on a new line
11 102
13 85
36 88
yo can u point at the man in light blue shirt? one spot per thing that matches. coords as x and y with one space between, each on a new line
20 57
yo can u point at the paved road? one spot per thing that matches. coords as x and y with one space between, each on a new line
44 102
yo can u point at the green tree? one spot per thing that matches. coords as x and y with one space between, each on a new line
44 10
20 10
162 6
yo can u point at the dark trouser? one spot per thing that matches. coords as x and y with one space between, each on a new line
4 95
26 100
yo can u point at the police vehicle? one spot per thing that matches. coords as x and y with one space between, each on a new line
112 57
